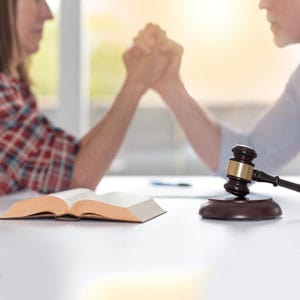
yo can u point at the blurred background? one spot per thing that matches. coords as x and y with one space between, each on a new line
230 64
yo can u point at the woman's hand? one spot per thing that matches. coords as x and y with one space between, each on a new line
152 40
145 67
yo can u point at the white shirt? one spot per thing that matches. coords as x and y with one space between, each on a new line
276 135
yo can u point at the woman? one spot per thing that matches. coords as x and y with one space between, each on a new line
34 154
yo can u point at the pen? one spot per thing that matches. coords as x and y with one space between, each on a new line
170 183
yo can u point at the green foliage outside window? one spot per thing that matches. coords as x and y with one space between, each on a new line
44 64
106 66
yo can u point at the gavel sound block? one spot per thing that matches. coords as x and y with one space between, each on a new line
240 205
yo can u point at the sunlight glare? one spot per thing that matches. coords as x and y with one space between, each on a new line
217 18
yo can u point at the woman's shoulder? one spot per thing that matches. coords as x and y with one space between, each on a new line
7 81
13 92
12 85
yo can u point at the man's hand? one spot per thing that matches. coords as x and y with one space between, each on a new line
144 62
153 41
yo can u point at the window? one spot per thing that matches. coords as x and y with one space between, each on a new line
229 52
44 64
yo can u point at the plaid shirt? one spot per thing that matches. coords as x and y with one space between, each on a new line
33 153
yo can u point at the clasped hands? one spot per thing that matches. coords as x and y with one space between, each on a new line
153 60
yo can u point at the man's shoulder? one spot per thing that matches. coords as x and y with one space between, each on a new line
295 77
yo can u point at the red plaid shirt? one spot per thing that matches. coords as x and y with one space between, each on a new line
33 153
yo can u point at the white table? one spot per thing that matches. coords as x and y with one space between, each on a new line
178 255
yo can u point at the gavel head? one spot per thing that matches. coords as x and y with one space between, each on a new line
240 170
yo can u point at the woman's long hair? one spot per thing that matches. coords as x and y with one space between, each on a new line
9 36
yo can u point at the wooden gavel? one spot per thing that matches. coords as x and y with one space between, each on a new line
241 172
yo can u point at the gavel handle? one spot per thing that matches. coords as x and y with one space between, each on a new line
275 180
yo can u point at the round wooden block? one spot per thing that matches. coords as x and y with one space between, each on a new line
252 207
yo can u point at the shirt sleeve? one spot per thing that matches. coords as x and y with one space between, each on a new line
34 154
275 136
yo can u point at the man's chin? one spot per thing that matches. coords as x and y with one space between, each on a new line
282 42
280 45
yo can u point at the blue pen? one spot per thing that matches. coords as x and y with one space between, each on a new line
169 183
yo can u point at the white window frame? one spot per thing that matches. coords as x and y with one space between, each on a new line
73 111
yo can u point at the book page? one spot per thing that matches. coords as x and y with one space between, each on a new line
122 199
75 195
37 205
117 206
119 199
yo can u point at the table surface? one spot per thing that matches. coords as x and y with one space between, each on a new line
177 255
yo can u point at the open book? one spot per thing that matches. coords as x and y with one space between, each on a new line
84 203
